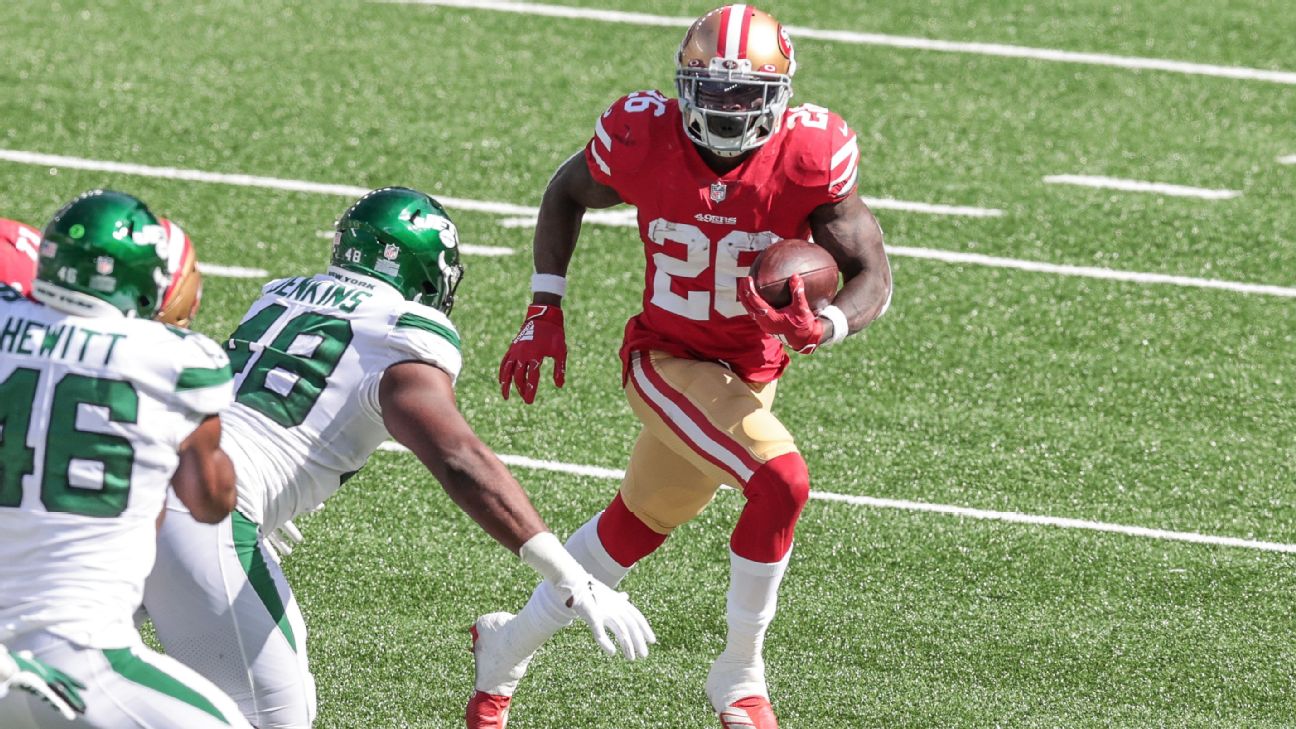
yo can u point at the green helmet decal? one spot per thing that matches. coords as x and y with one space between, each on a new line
405 238
104 246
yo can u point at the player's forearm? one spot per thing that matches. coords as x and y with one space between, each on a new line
556 232
865 296
484 489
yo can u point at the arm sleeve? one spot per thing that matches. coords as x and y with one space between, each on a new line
825 159
427 336
622 139
202 380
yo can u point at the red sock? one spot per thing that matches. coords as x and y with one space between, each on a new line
776 493
625 537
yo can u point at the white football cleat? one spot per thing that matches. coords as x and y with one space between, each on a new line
498 670
738 694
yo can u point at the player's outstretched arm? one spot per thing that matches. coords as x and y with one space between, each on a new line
848 230
419 410
204 480
571 191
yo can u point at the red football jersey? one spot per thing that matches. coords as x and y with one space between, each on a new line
19 247
701 231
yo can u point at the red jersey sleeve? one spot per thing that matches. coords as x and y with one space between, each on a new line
19 247
825 154
623 139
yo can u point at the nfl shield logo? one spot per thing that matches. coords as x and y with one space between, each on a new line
104 265
719 191
390 252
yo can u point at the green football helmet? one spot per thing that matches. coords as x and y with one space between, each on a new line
405 238
103 250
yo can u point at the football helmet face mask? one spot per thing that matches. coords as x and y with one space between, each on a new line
405 238
733 74
103 251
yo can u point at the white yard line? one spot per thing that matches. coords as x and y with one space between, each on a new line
1012 517
221 178
1288 160
976 259
1159 188
521 215
880 39
467 249
626 218
520 212
219 271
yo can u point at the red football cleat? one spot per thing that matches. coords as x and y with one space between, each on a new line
488 711
753 712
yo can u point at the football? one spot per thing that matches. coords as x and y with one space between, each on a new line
775 265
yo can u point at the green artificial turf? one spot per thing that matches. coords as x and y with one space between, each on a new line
1131 403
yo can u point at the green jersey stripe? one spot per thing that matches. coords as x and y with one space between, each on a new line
421 322
134 669
258 573
194 378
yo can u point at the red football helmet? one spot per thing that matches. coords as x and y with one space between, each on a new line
19 248
734 76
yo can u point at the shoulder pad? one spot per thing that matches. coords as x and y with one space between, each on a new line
822 153
428 336
623 136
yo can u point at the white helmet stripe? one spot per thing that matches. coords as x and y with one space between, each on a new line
735 23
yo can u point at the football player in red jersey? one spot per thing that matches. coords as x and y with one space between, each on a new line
717 175
19 248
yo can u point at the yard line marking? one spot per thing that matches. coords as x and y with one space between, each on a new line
468 249
524 215
626 218
1160 188
882 39
1110 274
1288 160
1011 517
520 212
967 211
219 271
239 180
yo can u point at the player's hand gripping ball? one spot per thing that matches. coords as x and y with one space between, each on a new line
789 283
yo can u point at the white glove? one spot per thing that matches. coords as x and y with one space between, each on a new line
56 688
604 609
601 607
283 539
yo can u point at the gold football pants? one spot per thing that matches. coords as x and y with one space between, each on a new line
703 427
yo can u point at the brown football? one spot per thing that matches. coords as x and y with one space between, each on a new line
775 265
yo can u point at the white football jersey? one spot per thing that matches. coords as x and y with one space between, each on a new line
307 359
92 411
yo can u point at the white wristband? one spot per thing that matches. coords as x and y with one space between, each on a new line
839 324
546 555
548 283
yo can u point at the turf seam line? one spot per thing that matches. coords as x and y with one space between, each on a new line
624 218
1159 188
1011 517
1137 63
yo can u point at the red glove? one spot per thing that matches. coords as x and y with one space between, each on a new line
795 325
541 336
